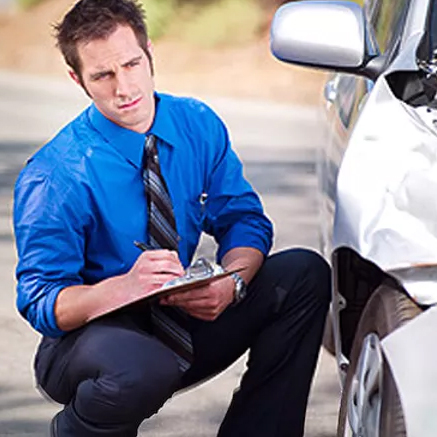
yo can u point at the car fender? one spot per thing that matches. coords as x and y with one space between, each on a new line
411 352
385 189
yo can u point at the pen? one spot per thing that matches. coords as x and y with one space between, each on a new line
143 246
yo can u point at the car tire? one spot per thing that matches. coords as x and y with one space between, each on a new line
386 310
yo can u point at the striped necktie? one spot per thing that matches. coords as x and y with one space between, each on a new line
169 323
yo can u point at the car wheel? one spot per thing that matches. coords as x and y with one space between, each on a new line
370 404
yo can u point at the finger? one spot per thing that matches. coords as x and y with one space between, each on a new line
156 280
154 253
168 265
175 255
161 265
180 300
161 253
164 301
191 295
204 315
206 305
157 254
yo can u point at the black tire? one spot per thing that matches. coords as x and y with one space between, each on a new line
386 310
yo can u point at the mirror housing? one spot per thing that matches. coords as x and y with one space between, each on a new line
322 34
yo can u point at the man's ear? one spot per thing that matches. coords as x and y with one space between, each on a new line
74 76
150 46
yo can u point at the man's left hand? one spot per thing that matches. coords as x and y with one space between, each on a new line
205 303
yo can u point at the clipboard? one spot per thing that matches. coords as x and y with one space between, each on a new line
164 291
187 286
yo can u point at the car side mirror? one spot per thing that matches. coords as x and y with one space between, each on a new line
321 33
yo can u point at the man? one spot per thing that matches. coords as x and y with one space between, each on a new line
142 166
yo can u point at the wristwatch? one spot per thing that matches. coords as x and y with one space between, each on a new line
240 288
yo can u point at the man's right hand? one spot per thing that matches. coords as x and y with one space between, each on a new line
77 305
152 270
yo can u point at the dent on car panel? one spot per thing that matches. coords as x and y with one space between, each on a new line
387 183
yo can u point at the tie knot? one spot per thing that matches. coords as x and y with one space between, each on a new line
150 144
151 152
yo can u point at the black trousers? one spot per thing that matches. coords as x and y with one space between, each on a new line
112 373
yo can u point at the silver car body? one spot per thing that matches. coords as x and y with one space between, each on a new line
378 178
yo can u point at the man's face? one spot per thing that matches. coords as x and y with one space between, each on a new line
116 74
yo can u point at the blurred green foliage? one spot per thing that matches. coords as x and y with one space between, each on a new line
28 3
159 14
204 22
218 22
277 3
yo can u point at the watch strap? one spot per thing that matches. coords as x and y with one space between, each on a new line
240 288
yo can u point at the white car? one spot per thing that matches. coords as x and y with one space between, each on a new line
378 201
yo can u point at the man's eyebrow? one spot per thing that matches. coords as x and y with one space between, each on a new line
136 59
104 72
100 73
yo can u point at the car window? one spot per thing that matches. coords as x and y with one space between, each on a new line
386 19
433 29
350 92
427 51
346 97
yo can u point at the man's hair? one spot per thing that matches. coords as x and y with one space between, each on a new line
89 20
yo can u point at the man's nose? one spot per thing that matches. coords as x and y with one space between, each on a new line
122 85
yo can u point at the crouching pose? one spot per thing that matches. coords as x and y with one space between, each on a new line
138 165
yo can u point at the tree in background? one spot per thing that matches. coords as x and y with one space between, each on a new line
204 22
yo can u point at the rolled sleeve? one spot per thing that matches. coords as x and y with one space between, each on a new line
251 230
235 214
50 245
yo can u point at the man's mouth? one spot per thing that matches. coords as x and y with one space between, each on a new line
130 104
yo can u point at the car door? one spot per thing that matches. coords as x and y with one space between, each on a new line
344 97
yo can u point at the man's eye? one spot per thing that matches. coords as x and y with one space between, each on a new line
133 63
101 76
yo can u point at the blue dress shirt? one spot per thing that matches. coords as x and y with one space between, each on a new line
80 201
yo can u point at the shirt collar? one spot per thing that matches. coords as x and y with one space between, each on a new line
164 123
130 144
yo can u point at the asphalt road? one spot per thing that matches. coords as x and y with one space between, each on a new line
276 143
